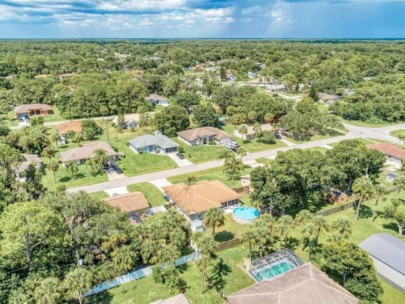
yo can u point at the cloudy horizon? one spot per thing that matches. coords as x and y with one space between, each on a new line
202 19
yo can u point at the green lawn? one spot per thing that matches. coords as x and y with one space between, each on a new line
152 194
264 160
375 123
145 290
210 174
230 230
398 133
99 195
252 145
82 178
200 154
333 133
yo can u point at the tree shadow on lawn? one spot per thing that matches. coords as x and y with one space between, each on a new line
224 236
391 226
365 212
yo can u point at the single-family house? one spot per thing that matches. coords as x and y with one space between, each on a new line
388 255
65 128
134 204
158 100
31 161
179 299
251 75
156 143
251 133
194 200
203 136
130 121
336 196
394 154
35 109
328 99
276 88
80 154
304 284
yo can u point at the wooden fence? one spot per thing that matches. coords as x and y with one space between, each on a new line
337 208
229 244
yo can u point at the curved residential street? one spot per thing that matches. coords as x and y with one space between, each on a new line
353 132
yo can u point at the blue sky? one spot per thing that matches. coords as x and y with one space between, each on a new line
202 18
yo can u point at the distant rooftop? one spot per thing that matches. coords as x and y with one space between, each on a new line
389 149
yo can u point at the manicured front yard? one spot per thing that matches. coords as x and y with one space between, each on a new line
377 123
153 195
200 154
398 133
210 174
145 290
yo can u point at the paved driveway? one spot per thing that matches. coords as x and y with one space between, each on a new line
117 191
160 183
180 162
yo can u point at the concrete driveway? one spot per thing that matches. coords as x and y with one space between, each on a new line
117 191
160 183
180 162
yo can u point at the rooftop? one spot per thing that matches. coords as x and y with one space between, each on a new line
86 151
388 149
194 134
155 97
32 107
161 141
200 197
305 284
129 202
30 159
73 126
387 249
327 97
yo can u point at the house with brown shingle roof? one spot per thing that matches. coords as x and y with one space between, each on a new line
134 204
35 109
203 136
194 200
251 131
394 154
81 154
305 284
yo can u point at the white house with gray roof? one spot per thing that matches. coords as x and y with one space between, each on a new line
388 255
157 143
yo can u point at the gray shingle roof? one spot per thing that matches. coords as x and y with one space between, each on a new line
161 141
387 249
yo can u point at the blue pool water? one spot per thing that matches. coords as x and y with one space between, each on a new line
273 271
246 213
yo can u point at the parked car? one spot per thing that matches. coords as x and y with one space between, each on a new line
180 155
278 136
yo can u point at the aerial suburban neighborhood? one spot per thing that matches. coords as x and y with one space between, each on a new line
202 171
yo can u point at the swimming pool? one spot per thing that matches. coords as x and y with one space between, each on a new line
245 214
273 271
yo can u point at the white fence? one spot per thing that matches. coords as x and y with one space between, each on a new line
136 274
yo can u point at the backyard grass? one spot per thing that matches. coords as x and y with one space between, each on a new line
264 160
152 194
200 154
99 194
145 290
210 174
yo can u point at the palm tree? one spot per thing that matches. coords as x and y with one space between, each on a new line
100 158
53 166
241 152
49 152
400 184
363 188
284 225
166 254
205 244
214 218
104 111
268 117
78 138
226 155
341 230
257 129
71 167
249 236
78 282
48 292
191 180
55 138
92 166
311 233
380 191
124 258
202 265
243 130
233 168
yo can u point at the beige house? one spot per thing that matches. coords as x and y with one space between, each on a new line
35 109
203 136
193 201
30 160
134 204
304 284
80 154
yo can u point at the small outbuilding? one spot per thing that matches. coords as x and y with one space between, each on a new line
158 100
336 196
388 255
